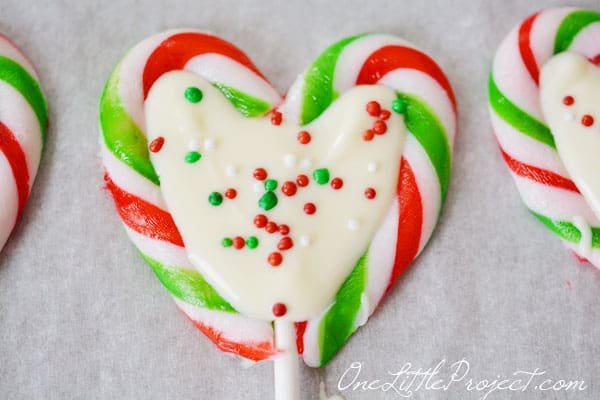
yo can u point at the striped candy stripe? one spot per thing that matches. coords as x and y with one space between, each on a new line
23 122
366 59
526 142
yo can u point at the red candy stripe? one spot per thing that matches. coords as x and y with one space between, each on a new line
18 163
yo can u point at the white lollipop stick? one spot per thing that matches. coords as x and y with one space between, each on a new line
287 382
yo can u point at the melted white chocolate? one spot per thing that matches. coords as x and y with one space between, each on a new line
325 250
570 74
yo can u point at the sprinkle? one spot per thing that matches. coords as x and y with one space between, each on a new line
279 309
353 224
321 176
380 127
304 241
230 170
285 243
368 135
306 163
399 106
275 259
270 184
372 167
587 120
260 174
192 156
284 229
290 160
156 144
193 94
310 208
267 201
276 117
385 115
289 188
231 193
226 242
252 242
337 183
568 101
193 145
238 242
373 108
304 137
260 221
302 180
215 198
370 193
271 227
209 144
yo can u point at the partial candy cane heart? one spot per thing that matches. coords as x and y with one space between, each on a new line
526 142
428 106
23 122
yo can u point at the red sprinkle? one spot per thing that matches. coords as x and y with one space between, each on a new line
289 188
337 183
568 101
275 259
231 193
368 135
304 137
260 221
587 120
157 144
302 180
279 309
271 227
310 208
370 193
284 229
276 117
238 242
385 114
379 127
285 243
373 108
260 174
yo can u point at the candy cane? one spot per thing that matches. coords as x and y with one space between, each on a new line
430 111
23 121
526 143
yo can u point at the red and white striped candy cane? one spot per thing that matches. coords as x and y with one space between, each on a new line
526 143
23 121
430 112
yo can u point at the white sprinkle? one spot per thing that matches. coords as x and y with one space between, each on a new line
209 144
569 117
290 160
258 187
304 241
230 170
353 224
372 167
194 145
306 163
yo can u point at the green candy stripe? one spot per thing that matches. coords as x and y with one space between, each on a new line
422 122
517 118
567 231
189 286
121 134
15 75
571 26
338 323
248 105
318 92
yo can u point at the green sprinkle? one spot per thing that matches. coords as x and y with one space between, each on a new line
215 198
252 242
270 184
321 176
226 242
193 94
267 201
399 106
192 156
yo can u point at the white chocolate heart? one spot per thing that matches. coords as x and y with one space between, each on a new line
570 99
326 244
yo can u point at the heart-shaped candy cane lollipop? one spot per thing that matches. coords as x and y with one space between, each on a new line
529 135
23 121
237 159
